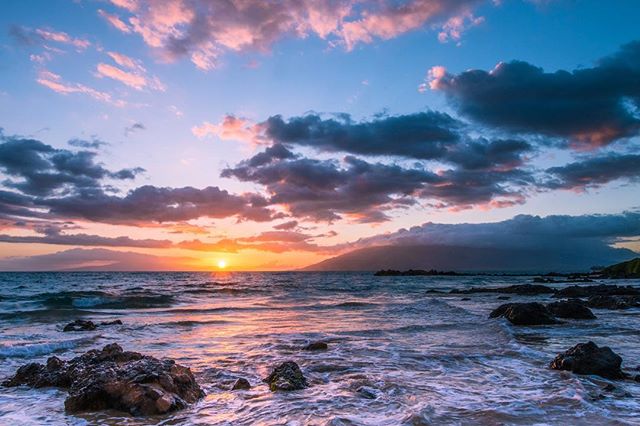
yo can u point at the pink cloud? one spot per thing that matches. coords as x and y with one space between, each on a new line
115 21
62 37
204 30
231 128
54 82
137 76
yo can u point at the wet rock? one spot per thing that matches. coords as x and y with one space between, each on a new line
613 302
114 322
574 309
367 392
520 289
241 384
608 387
114 379
316 346
286 377
503 297
80 325
576 291
466 298
524 313
589 358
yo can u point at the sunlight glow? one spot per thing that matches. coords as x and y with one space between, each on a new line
222 264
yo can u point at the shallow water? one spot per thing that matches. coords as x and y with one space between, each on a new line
398 355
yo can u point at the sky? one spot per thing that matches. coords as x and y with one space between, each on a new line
251 135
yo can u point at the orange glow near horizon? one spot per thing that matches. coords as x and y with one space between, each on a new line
222 264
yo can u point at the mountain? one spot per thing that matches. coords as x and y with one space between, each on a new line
467 259
629 269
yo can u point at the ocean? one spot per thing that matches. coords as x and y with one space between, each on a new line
399 354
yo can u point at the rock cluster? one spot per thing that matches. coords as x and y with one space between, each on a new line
589 358
87 325
114 379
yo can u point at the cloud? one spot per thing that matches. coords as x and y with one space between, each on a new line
327 190
136 76
115 21
286 226
231 128
85 240
35 168
57 84
97 260
522 231
595 172
82 143
204 30
35 37
590 107
134 128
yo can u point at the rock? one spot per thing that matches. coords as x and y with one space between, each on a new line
114 322
589 358
316 346
503 297
80 325
524 313
574 309
367 392
520 289
114 379
466 298
608 387
575 291
241 384
613 302
286 377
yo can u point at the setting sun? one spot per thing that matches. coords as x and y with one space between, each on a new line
222 264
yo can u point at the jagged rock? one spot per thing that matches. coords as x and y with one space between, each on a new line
114 322
613 302
114 379
589 358
316 346
286 377
574 309
524 313
80 325
241 384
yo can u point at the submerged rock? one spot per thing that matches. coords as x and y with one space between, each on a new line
80 325
574 309
589 358
316 346
613 302
241 384
114 379
87 325
286 377
524 313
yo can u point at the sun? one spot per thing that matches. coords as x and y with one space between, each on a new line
222 264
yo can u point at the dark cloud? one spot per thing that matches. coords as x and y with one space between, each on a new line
87 144
327 190
86 240
35 168
135 127
519 232
590 106
286 226
595 171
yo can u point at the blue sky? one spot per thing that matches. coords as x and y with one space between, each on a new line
295 70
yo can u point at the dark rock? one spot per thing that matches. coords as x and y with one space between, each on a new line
624 270
316 346
520 289
597 290
414 272
466 298
241 384
524 313
608 387
367 392
613 302
114 322
286 377
588 358
570 309
114 379
503 297
80 325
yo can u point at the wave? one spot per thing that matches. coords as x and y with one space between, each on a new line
104 300
37 349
